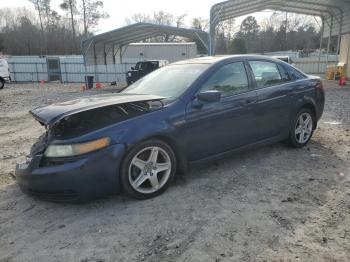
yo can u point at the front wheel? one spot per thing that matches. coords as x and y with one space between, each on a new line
302 128
2 83
148 169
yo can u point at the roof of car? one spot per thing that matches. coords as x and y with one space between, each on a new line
215 59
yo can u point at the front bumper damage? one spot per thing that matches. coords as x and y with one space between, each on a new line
92 176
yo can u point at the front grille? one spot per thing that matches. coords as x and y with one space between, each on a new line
47 162
59 196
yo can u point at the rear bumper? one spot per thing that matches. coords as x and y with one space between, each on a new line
96 175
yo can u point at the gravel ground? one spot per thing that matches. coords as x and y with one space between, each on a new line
269 204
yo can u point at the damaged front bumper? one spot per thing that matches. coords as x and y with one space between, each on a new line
92 176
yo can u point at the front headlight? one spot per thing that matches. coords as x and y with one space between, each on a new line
129 74
76 149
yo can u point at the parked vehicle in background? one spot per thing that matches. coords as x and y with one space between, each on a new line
143 68
286 59
4 73
185 113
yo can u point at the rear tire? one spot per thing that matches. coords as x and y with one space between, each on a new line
2 83
302 128
148 169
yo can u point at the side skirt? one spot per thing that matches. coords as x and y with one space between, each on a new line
264 142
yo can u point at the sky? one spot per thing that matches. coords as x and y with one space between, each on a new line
120 9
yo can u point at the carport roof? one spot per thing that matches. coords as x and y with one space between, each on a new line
140 31
337 10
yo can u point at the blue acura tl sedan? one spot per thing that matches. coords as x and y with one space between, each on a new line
188 112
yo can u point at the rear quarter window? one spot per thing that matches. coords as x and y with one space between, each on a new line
296 74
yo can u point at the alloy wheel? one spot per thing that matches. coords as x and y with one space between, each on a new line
149 170
304 128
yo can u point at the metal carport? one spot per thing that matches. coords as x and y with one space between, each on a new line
101 49
335 14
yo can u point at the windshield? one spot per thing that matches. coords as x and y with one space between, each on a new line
170 81
138 66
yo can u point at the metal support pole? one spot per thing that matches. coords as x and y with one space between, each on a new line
120 54
65 70
339 39
84 59
37 72
321 43
105 54
340 31
329 40
348 58
95 63
113 51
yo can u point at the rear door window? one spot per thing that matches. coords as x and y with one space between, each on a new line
230 79
266 73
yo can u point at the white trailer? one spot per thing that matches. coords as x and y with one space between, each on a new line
171 52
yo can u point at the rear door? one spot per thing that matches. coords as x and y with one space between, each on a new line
274 87
216 127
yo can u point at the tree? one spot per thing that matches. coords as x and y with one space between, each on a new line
160 18
227 28
92 13
249 30
138 18
249 26
70 6
238 46
200 23
38 5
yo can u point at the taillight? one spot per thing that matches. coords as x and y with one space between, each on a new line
319 86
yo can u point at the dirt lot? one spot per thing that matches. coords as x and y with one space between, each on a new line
268 204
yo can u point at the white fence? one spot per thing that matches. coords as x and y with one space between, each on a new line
71 70
314 64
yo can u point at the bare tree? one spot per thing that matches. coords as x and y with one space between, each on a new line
70 6
200 23
160 18
91 13
38 5
227 28
138 18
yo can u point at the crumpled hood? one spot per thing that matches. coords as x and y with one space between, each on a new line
49 115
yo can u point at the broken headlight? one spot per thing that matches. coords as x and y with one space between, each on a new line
76 149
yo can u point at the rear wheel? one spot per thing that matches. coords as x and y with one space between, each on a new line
148 169
2 83
302 128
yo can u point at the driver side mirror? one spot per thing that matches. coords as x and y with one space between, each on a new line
209 96
132 68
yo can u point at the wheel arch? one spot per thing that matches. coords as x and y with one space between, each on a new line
179 152
312 108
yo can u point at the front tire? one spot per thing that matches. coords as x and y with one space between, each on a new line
148 169
2 83
302 128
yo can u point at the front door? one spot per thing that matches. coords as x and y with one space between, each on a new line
216 127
